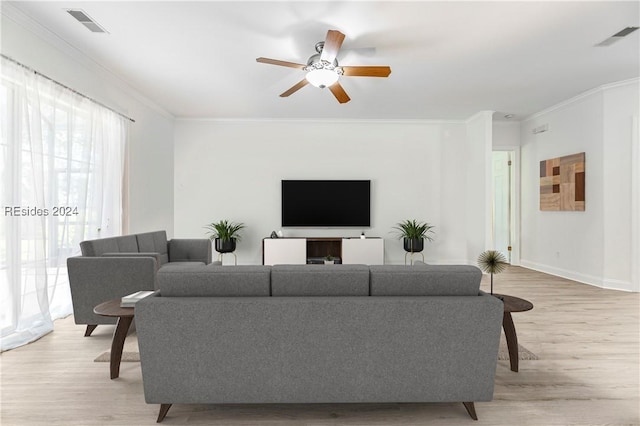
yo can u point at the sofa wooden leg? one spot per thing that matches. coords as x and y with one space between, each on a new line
471 409
89 330
164 409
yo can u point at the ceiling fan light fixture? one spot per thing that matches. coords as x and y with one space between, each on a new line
322 77
322 69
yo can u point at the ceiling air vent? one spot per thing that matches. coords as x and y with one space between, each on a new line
82 17
616 37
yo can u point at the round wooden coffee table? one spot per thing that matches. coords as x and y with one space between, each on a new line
125 317
512 304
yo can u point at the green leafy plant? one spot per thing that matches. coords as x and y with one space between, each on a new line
412 229
492 262
224 230
328 257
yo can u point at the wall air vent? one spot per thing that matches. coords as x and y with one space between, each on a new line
616 37
540 129
82 17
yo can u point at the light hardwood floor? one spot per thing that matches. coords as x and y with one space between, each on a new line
587 340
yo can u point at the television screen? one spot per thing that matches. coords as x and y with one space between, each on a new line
331 203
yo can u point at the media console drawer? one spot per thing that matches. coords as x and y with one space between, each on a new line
367 251
284 251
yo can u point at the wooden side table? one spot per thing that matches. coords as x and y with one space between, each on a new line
125 317
512 304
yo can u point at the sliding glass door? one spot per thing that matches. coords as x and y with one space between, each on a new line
61 168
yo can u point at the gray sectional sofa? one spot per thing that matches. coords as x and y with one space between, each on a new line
114 267
318 334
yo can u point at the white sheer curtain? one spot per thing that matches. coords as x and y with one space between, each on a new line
62 163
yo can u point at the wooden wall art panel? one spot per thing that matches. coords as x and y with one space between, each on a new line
562 183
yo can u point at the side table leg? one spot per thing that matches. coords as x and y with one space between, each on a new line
512 340
118 343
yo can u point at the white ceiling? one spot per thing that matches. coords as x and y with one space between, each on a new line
449 60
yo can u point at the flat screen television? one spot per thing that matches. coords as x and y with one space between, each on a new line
326 203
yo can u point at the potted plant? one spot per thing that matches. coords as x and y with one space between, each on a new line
413 233
328 260
492 262
225 234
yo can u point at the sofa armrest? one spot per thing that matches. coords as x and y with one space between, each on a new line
94 280
154 255
190 250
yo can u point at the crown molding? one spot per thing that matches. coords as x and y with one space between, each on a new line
318 120
14 14
621 83
599 89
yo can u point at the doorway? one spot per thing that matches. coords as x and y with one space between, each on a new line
505 205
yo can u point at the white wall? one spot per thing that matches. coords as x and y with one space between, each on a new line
593 246
506 134
151 136
620 116
232 170
478 183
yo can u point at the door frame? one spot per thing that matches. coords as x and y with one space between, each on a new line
515 201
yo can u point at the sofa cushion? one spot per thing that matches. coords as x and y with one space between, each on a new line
125 243
320 280
189 250
154 242
221 281
182 265
425 280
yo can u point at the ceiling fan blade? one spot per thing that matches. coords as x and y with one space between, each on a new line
295 88
331 45
281 63
366 71
339 93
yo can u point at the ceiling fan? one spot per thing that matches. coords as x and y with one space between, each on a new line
323 70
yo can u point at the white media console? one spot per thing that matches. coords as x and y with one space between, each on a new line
299 251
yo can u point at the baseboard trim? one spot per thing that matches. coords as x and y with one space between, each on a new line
592 280
617 285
